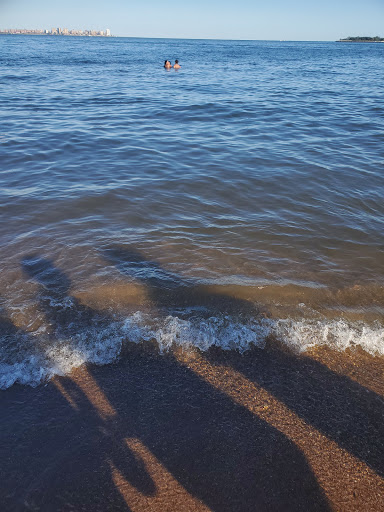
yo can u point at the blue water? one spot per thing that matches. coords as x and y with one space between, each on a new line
236 198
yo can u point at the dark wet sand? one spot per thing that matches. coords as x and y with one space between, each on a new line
265 431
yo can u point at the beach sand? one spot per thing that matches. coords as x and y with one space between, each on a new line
267 430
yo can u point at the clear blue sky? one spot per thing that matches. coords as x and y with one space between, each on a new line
227 19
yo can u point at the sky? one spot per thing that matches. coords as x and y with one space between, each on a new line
294 20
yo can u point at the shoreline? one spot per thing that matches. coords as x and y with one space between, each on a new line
188 430
56 35
346 41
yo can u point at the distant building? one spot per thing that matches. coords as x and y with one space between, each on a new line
55 31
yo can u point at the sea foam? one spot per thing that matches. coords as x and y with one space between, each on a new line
103 345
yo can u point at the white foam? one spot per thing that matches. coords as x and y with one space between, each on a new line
337 334
228 333
102 345
60 357
223 331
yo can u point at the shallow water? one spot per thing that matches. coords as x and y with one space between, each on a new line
238 198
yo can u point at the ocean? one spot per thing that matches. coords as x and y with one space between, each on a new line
237 199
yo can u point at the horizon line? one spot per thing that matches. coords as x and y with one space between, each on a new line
183 38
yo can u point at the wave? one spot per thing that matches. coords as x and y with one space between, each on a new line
19 78
35 358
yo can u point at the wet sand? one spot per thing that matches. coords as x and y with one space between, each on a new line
268 430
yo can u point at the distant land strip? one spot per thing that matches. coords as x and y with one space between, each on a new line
362 39
57 32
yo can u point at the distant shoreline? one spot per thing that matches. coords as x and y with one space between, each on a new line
360 39
347 41
55 32
50 35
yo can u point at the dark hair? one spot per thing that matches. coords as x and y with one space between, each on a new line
176 61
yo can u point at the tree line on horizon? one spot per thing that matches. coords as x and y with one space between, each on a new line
363 38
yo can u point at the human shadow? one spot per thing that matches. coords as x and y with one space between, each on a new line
63 312
68 318
339 407
168 293
219 451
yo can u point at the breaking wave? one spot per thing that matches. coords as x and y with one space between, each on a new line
51 356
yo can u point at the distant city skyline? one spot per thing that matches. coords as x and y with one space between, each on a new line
211 19
57 31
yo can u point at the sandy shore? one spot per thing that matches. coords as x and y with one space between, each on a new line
265 431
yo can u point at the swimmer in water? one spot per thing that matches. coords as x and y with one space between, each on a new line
167 64
177 65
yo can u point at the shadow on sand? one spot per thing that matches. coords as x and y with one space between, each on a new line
151 433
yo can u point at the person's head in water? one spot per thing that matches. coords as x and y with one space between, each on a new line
167 64
177 65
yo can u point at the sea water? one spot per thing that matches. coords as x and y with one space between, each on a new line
238 198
